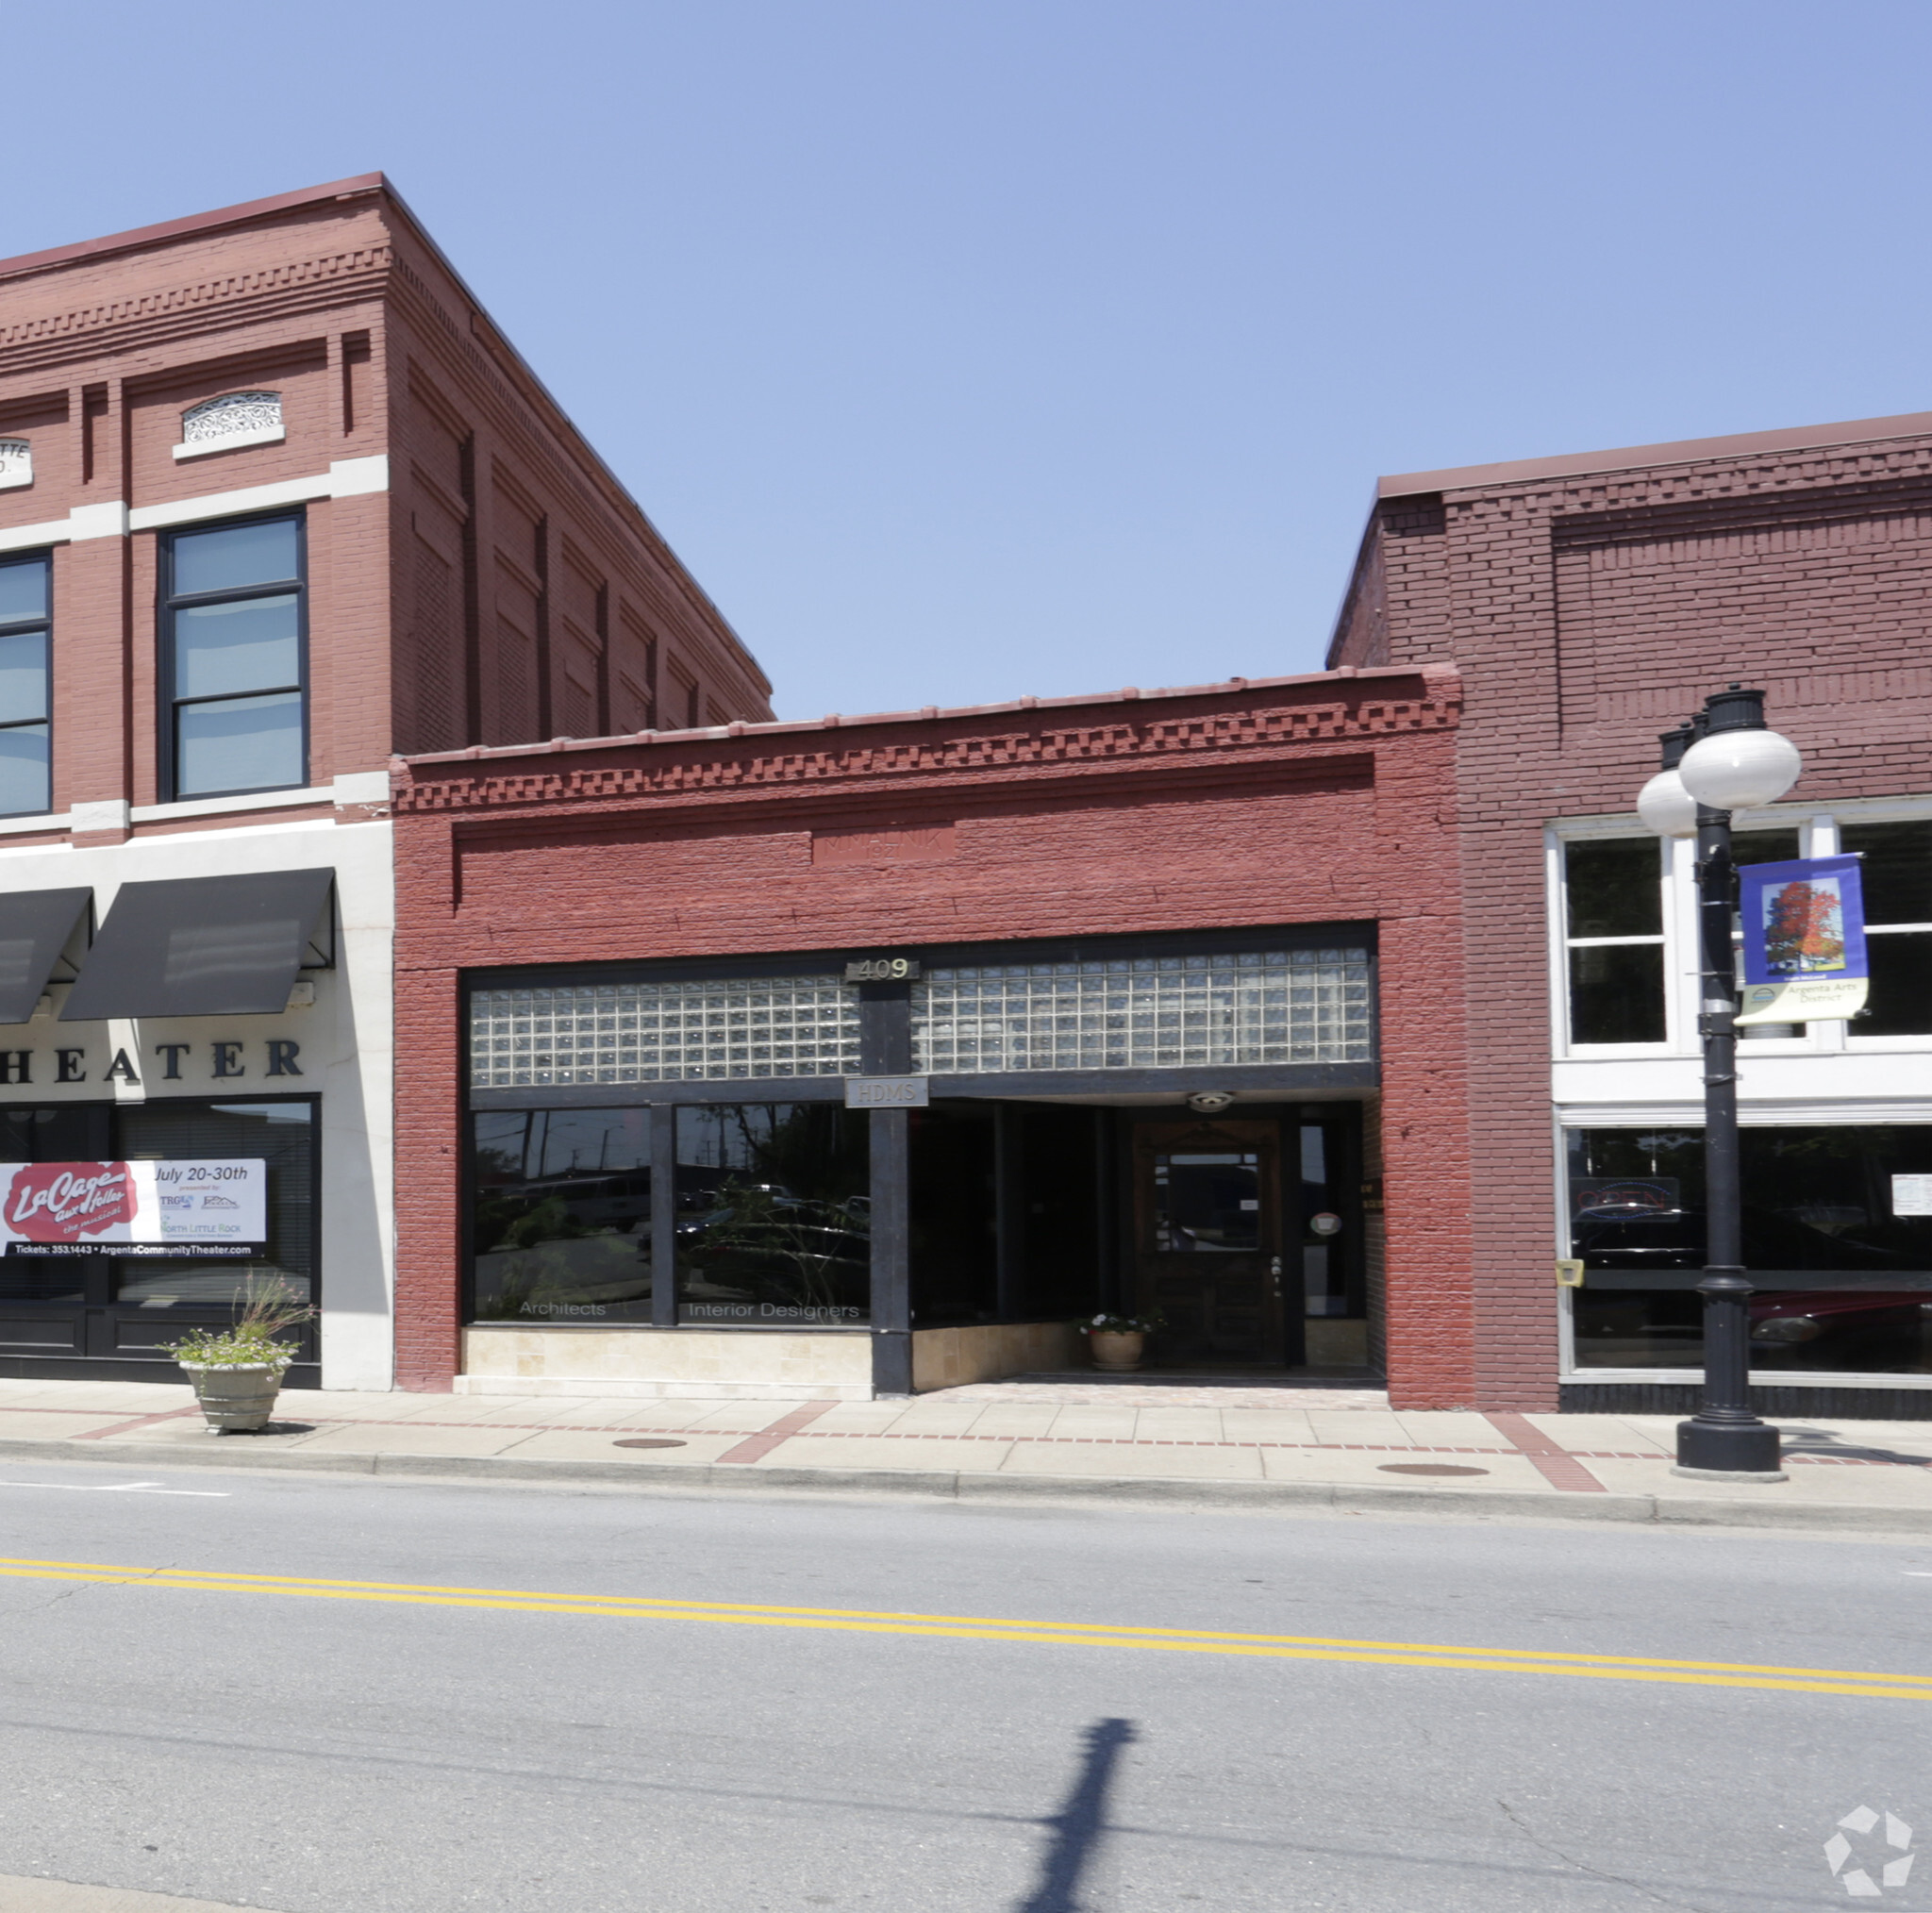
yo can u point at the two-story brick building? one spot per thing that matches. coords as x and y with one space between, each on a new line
1590 602
276 500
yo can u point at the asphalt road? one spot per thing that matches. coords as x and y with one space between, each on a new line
231 1730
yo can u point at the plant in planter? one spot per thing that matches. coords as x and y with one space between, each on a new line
1119 1341
238 1372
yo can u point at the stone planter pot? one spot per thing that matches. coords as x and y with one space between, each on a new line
1116 1355
236 1401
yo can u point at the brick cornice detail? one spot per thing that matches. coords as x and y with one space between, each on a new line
1162 740
236 289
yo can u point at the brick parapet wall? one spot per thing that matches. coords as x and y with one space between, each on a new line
1587 614
1324 800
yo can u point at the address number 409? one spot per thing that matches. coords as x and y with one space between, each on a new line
883 970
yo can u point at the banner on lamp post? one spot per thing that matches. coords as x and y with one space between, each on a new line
1803 941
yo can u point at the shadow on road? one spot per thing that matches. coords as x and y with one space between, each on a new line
1080 1825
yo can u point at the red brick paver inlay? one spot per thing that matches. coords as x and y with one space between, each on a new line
1557 1466
756 1447
137 1421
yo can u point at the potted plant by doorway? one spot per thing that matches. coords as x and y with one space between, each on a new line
1119 1341
238 1371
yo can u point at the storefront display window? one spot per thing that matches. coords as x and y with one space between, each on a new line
1837 1233
773 1216
280 1134
562 1216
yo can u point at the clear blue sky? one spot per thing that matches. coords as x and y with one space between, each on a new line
971 350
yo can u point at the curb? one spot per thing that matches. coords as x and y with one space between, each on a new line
1125 1490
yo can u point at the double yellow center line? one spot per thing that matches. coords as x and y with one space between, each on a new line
1600 1667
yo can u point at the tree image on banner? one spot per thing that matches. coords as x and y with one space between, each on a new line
1804 929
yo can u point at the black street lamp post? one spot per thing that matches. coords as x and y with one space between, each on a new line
1724 759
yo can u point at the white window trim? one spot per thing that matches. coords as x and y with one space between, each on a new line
1555 839
344 478
1818 836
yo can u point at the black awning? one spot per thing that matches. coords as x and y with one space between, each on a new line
202 946
33 929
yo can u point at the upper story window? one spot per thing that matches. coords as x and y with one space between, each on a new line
25 630
1896 867
234 668
1614 933
236 417
16 463
1630 931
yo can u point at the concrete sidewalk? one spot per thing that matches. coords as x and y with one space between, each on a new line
1178 1445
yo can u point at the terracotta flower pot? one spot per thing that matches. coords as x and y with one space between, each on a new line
236 1400
1117 1355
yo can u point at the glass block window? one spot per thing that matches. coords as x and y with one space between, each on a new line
663 1032
1144 1013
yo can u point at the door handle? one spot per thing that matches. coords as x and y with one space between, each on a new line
1274 1270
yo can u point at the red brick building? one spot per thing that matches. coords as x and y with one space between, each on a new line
1590 602
276 500
622 969
1119 958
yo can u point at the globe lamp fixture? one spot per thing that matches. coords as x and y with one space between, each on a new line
1740 770
1667 807
1739 764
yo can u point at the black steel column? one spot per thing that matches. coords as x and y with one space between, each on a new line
1008 1208
1723 1437
892 1263
663 1119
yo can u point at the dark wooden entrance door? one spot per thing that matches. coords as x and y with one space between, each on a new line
1207 1239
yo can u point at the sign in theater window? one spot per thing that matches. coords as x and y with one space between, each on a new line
126 1204
665 1032
213 1209
1311 1005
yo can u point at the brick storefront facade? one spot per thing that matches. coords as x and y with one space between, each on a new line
1296 801
1590 602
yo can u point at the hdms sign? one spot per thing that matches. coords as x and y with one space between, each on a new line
1803 926
202 1209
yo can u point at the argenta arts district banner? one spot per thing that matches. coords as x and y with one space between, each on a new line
1803 941
134 1208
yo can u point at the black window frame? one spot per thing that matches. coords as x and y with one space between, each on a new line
168 705
15 627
